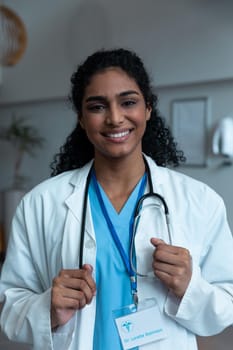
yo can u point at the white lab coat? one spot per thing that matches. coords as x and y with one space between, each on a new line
45 238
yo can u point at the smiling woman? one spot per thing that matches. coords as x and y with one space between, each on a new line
157 140
114 116
80 252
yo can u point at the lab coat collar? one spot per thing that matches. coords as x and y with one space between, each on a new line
156 174
163 180
78 180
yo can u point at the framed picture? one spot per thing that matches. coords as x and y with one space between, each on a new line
189 124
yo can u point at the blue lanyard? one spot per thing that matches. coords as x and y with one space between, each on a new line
115 236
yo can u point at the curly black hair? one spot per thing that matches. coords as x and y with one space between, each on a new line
157 141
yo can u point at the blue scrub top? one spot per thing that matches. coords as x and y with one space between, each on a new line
112 280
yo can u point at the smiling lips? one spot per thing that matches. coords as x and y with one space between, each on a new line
118 135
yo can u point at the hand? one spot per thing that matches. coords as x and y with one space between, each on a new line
172 265
71 291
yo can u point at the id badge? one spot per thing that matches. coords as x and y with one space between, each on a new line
139 325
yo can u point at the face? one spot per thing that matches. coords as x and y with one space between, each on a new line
114 114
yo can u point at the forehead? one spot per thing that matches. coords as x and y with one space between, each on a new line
111 79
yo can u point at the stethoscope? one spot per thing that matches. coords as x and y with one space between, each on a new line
136 217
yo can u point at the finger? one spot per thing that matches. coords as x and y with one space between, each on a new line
74 273
163 276
167 279
170 249
177 283
167 257
71 281
156 241
89 278
77 289
172 270
75 294
79 274
68 299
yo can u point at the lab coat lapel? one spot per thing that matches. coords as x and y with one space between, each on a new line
163 184
72 227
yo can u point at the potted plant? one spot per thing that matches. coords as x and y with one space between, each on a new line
25 139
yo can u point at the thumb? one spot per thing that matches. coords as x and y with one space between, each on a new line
88 267
156 241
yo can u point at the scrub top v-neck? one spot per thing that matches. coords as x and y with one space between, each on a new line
112 280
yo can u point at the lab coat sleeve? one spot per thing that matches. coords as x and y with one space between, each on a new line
207 306
26 298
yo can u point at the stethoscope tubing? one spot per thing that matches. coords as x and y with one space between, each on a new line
138 207
136 222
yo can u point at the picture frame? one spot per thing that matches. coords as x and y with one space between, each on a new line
189 125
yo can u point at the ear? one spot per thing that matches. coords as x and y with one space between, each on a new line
80 120
148 112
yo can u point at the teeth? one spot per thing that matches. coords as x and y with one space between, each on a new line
119 134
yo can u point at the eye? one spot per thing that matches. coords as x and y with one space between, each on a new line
129 103
97 107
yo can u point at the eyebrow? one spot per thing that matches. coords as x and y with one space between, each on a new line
102 98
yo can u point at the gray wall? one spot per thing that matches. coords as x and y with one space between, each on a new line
180 41
187 48
220 96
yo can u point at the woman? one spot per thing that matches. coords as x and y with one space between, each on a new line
74 272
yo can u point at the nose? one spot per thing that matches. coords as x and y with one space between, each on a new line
114 116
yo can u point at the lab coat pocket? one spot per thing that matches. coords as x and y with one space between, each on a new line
185 237
144 255
195 253
198 253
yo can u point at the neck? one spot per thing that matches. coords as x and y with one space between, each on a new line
121 171
118 178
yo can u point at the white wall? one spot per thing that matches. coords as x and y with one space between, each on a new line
186 45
